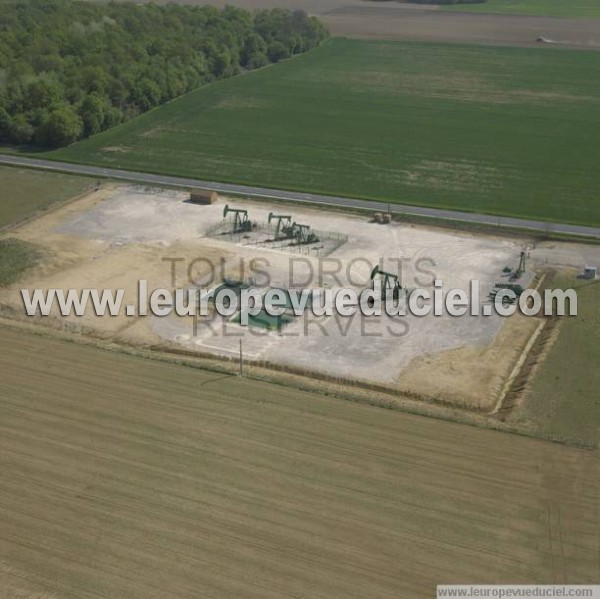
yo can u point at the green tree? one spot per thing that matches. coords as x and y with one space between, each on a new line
278 51
20 131
63 126
93 112
254 52
112 117
5 124
146 94
72 68
43 93
117 92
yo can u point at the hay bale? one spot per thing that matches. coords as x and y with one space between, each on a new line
203 196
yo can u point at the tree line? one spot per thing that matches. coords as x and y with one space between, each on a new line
72 69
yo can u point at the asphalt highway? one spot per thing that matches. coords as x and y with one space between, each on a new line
294 196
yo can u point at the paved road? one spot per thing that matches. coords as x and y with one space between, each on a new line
293 196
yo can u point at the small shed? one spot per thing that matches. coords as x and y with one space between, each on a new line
203 196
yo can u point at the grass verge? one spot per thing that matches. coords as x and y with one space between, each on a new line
16 257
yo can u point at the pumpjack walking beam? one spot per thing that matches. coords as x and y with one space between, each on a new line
241 223
391 282
284 226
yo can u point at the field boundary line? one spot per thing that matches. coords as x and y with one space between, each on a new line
517 368
530 358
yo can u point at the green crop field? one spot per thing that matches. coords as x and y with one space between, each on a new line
25 191
488 129
564 399
551 8
16 257
160 480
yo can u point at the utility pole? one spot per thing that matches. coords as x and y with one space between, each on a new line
241 360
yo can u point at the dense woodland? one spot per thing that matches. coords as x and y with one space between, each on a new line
71 69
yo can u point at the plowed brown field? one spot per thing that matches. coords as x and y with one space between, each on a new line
137 479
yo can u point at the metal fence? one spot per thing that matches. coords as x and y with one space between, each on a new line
263 234
156 191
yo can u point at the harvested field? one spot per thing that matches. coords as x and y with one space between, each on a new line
507 131
554 8
161 480
395 21
498 22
